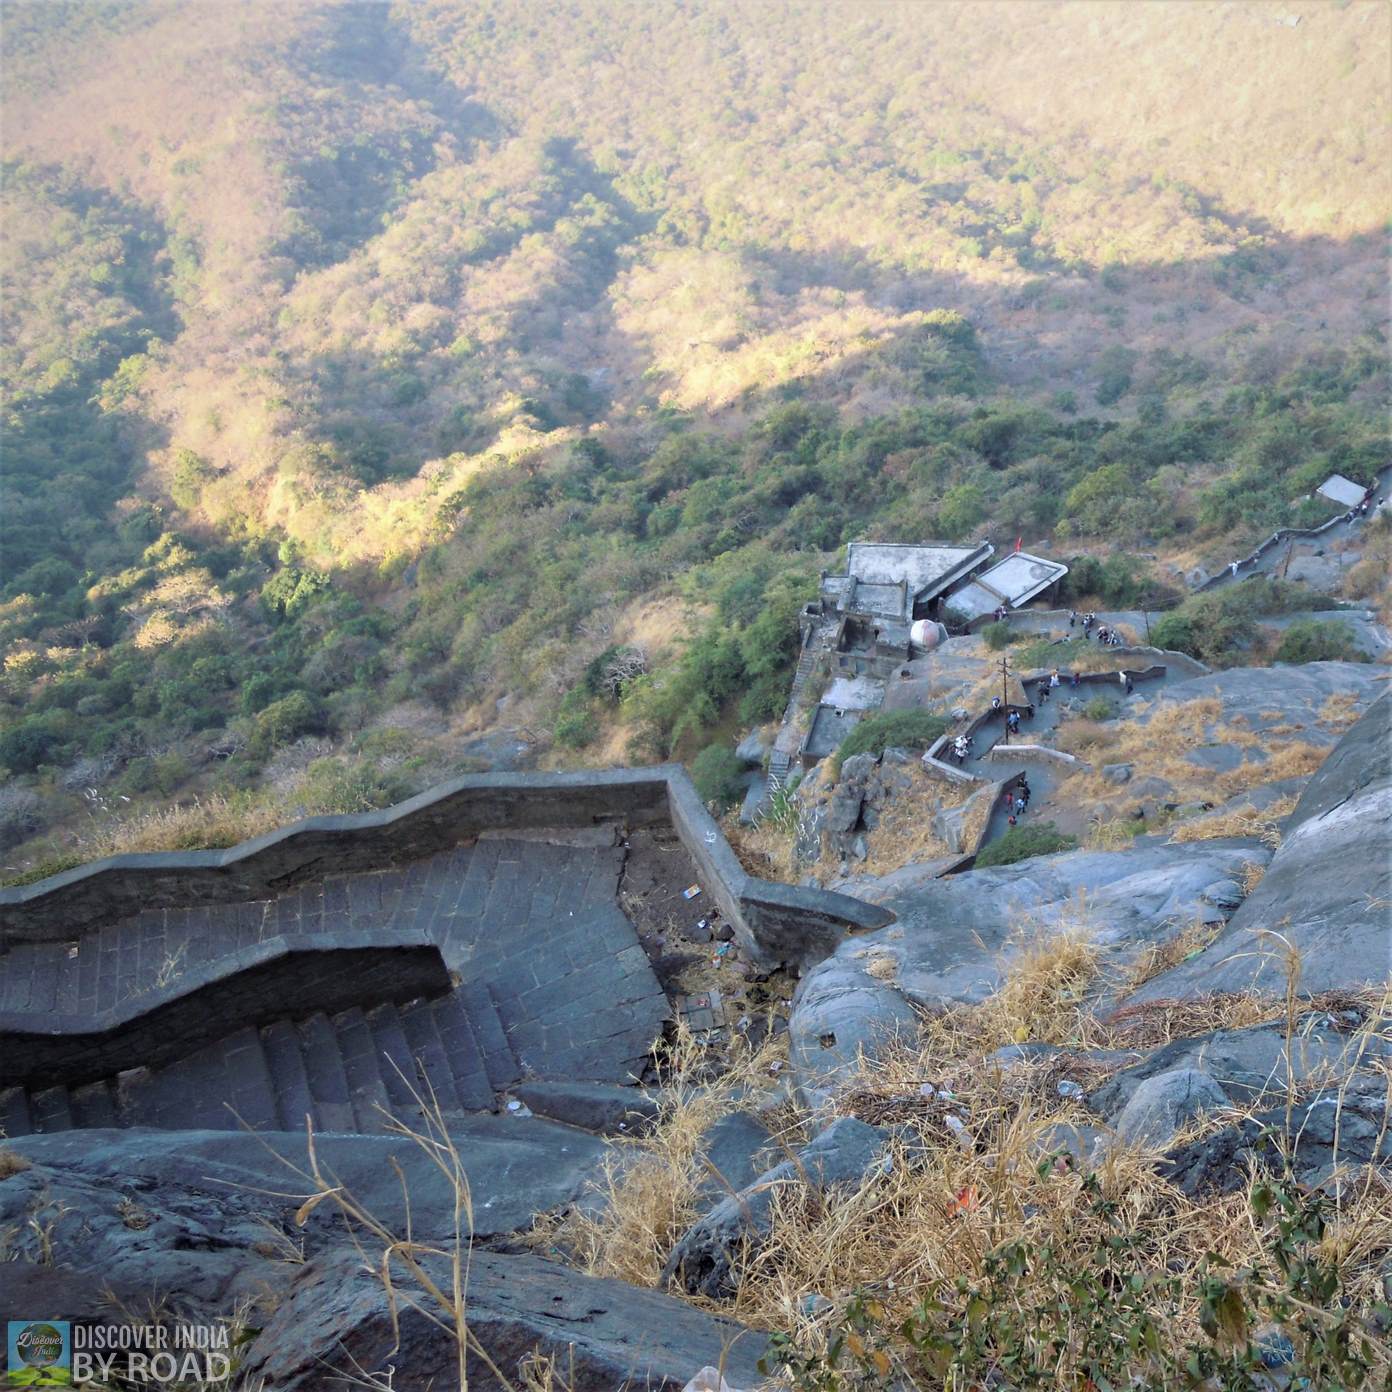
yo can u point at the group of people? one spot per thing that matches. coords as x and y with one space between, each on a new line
962 748
1020 799
1108 637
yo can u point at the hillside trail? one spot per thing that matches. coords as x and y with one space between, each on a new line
1274 559
1043 775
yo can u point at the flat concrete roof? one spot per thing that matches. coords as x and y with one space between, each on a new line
1343 491
1020 576
973 600
829 727
854 693
889 563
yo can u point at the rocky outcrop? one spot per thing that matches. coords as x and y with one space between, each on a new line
1260 1061
703 1260
1328 890
518 1166
1166 1104
1338 1130
953 936
1277 698
605 1336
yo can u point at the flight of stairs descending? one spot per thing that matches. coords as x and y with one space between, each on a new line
781 758
345 1073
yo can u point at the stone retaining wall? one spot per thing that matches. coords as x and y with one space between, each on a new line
1228 574
774 923
246 988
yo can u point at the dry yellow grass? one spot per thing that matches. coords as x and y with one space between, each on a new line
11 1163
966 1175
904 835
1157 749
1262 822
937 1213
648 1193
1160 957
1340 711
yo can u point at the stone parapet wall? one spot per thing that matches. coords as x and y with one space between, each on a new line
774 923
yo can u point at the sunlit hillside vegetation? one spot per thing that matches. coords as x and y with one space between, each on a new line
363 354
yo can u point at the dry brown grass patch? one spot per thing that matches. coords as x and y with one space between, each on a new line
1264 823
12 1163
647 1195
1160 957
1340 710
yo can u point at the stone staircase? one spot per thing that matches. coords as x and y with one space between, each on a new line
343 1072
781 757
551 982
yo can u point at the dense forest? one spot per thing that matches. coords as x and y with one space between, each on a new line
378 374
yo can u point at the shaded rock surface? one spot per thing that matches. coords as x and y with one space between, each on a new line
952 935
1328 889
199 1246
605 1335
1343 1126
1165 1104
518 1166
702 1261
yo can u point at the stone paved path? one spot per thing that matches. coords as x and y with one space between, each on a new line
552 982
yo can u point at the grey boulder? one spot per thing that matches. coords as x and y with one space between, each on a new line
606 1335
1163 1106
702 1261
602 1107
754 747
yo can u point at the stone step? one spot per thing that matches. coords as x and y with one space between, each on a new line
94 1105
328 1083
294 1101
499 1062
136 1097
471 1083
51 1110
433 1073
366 1090
393 1056
15 1118
237 1068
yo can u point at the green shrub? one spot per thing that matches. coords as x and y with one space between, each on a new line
718 773
286 720
1021 842
575 724
1100 708
191 473
997 635
891 730
1177 633
1313 640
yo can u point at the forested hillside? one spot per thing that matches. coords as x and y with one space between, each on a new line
376 374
